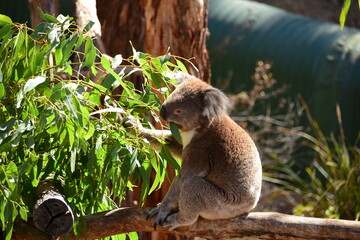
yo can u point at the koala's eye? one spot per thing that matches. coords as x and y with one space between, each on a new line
177 111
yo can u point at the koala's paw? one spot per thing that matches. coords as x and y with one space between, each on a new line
152 213
171 221
161 215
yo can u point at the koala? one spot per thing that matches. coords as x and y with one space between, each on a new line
221 171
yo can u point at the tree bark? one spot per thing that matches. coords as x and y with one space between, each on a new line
51 7
26 231
257 225
181 27
154 26
122 21
86 11
261 225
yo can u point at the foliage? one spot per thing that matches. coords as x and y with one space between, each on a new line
55 122
344 11
268 113
331 188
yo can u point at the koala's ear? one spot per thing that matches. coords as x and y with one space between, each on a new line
215 102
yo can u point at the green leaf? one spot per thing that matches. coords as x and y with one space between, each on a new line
145 171
165 58
48 17
67 50
181 66
73 159
344 12
4 20
133 235
169 158
175 132
159 177
106 64
2 90
90 53
117 60
33 83
89 26
6 30
23 214
19 49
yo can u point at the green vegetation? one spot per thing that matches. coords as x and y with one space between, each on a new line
344 11
330 187
324 171
55 122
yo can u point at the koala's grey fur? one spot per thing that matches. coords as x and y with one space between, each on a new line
221 171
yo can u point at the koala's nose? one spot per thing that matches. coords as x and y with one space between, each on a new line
163 112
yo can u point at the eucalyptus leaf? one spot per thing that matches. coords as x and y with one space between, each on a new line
33 83
4 20
89 26
165 58
117 60
344 11
47 17
175 132
57 123
90 53
2 90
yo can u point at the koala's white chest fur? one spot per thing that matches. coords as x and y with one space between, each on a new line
187 136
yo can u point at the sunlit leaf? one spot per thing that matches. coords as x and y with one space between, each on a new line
5 20
181 66
33 83
344 11
2 90
133 235
117 60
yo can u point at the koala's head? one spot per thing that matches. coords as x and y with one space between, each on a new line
194 103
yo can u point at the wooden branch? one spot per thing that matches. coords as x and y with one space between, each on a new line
26 231
52 213
258 225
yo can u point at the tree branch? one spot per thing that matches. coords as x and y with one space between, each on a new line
258 225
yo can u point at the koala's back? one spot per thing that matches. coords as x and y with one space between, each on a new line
225 155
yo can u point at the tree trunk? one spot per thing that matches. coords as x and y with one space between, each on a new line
85 11
181 27
47 6
122 21
154 26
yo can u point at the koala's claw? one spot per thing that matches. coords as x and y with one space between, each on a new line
152 213
161 218
170 222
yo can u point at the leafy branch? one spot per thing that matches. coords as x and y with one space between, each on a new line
60 119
